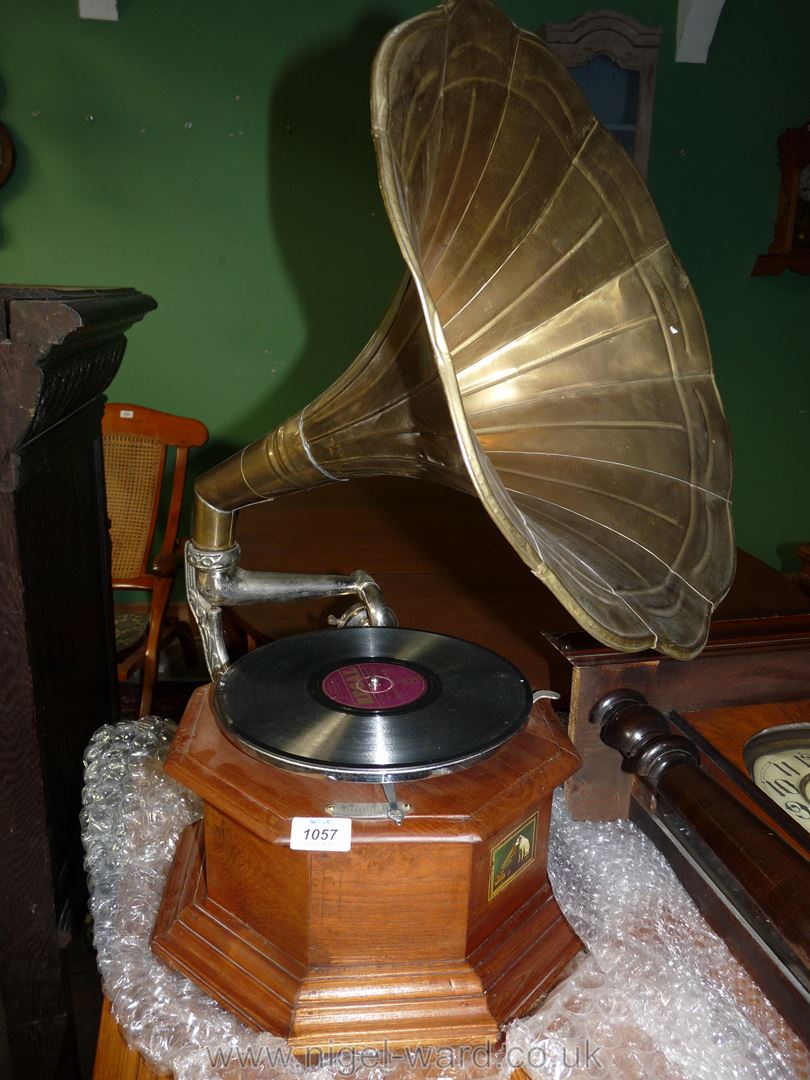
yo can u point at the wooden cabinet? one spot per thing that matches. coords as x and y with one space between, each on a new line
59 350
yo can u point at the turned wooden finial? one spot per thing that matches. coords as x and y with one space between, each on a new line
641 734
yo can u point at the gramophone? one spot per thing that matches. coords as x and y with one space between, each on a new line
370 867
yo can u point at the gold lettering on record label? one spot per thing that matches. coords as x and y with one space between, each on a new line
512 855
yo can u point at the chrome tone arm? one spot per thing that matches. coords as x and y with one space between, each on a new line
214 579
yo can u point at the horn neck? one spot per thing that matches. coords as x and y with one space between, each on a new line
387 415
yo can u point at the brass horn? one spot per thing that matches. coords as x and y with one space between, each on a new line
546 352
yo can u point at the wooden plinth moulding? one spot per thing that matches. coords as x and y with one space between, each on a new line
433 932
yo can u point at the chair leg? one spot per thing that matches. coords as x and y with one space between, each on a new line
160 601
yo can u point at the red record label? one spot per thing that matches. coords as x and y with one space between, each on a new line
374 685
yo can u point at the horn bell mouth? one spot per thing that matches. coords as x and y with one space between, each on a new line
568 339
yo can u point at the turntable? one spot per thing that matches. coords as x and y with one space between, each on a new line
371 863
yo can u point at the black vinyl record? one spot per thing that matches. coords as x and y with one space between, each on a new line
372 703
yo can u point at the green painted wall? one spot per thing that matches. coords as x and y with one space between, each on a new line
228 171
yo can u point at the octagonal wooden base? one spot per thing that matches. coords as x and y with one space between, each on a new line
422 934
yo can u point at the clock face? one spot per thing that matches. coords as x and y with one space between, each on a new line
779 762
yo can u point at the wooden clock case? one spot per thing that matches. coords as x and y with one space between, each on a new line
753 674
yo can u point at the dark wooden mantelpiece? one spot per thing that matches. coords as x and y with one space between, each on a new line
59 350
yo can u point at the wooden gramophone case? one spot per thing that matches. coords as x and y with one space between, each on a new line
408 939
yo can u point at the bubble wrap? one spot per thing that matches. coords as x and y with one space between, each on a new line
657 996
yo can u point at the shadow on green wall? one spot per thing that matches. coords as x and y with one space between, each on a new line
326 213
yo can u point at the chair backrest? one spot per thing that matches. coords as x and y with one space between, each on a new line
136 441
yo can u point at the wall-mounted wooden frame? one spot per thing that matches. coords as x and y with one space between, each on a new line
6 155
790 249
628 44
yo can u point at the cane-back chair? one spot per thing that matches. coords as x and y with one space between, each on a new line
145 466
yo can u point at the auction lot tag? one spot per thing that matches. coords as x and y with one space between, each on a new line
321 834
